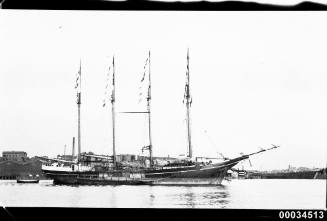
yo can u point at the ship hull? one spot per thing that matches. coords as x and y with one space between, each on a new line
205 175
193 172
181 175
69 178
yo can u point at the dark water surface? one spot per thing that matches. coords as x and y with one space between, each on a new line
239 194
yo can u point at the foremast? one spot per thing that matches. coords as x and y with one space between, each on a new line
113 114
188 101
78 87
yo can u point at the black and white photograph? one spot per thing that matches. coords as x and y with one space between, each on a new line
163 109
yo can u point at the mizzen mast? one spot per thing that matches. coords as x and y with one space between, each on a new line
149 112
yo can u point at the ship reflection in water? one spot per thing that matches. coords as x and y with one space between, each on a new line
193 197
239 194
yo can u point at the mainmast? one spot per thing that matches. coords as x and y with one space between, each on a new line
188 102
113 113
148 98
149 112
78 87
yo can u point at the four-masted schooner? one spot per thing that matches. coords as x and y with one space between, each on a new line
185 172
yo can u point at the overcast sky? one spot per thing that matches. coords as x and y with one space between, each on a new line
257 78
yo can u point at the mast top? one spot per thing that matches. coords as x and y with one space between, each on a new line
113 80
79 83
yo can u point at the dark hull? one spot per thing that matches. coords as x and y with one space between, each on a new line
192 172
122 181
27 181
62 178
91 178
181 175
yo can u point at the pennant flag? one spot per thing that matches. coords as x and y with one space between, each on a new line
145 71
188 61
145 66
185 93
113 81
187 96
107 88
113 70
78 77
146 62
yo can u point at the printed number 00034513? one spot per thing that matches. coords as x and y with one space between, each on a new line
303 214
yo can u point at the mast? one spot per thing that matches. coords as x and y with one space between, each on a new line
79 82
113 113
149 112
188 102
73 148
148 98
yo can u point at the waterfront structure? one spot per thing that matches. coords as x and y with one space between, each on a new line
295 173
14 155
14 169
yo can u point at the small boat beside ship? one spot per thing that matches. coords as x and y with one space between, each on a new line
28 179
180 172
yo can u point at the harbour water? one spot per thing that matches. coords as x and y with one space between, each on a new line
238 194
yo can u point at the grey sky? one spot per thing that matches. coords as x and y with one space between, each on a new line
257 78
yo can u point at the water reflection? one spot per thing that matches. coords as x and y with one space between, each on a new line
113 199
248 194
192 197
216 199
189 197
152 199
